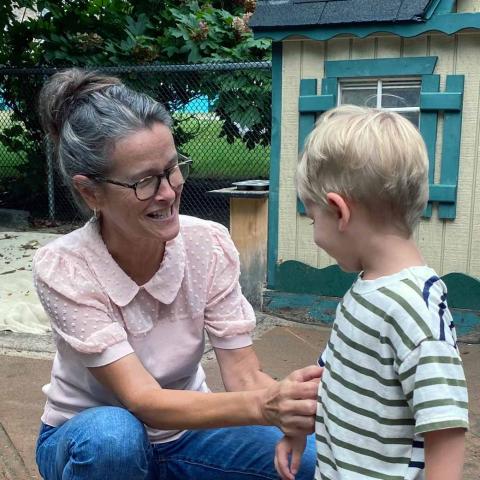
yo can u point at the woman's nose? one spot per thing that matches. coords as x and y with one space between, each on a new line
165 190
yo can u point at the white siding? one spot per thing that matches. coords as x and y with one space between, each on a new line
468 6
448 246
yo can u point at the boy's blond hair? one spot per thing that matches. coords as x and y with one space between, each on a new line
374 157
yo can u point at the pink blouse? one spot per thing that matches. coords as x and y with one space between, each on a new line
99 314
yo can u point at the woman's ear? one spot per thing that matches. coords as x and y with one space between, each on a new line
87 189
342 209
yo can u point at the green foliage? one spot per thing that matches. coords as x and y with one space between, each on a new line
112 32
214 162
101 33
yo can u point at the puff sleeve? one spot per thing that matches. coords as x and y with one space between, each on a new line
80 311
229 317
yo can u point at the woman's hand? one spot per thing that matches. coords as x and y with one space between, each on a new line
291 403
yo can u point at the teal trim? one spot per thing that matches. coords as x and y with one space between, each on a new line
445 6
275 151
306 121
441 101
466 322
315 103
439 7
296 277
301 207
315 309
384 67
304 285
463 291
452 131
323 102
428 129
431 102
330 87
442 193
448 23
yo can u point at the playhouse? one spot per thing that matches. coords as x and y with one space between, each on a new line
418 57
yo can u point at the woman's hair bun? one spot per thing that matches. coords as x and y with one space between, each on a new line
63 91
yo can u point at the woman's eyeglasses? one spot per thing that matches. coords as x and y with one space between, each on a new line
147 187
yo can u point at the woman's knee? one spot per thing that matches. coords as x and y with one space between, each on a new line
97 441
117 430
118 418
119 446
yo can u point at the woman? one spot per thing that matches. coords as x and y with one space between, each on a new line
130 295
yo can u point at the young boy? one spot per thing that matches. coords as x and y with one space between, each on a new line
393 403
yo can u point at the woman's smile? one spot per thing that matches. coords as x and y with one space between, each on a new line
161 214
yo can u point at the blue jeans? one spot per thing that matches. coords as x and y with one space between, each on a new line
110 443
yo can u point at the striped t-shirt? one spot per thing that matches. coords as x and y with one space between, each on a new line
392 372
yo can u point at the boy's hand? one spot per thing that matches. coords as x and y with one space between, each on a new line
292 447
444 454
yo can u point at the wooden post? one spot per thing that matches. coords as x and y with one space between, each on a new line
249 229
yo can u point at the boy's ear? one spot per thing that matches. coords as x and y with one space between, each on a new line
342 209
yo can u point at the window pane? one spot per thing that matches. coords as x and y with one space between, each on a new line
412 116
394 97
363 97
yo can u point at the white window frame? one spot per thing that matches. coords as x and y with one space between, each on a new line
364 83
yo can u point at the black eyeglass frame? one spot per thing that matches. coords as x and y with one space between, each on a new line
165 174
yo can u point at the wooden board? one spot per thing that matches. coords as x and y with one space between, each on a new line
249 230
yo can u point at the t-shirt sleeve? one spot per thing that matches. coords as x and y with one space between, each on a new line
433 380
321 361
229 317
79 310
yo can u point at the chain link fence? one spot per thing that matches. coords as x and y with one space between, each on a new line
222 120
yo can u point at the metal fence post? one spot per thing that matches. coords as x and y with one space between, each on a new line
50 181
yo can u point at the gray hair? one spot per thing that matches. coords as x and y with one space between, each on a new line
84 114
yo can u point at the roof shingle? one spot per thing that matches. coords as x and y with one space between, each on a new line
273 14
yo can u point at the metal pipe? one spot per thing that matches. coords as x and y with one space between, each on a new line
50 181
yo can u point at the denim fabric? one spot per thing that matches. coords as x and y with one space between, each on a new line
109 443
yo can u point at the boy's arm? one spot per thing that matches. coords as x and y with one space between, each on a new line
444 454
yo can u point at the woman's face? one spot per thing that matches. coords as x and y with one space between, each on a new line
147 152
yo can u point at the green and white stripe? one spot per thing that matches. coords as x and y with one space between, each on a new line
388 379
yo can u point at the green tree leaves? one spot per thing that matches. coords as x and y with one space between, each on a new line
100 33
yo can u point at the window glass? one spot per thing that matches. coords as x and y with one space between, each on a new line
414 117
402 95
360 96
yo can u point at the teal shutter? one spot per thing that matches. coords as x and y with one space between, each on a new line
309 106
428 129
431 103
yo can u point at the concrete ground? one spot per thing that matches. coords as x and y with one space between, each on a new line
282 346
